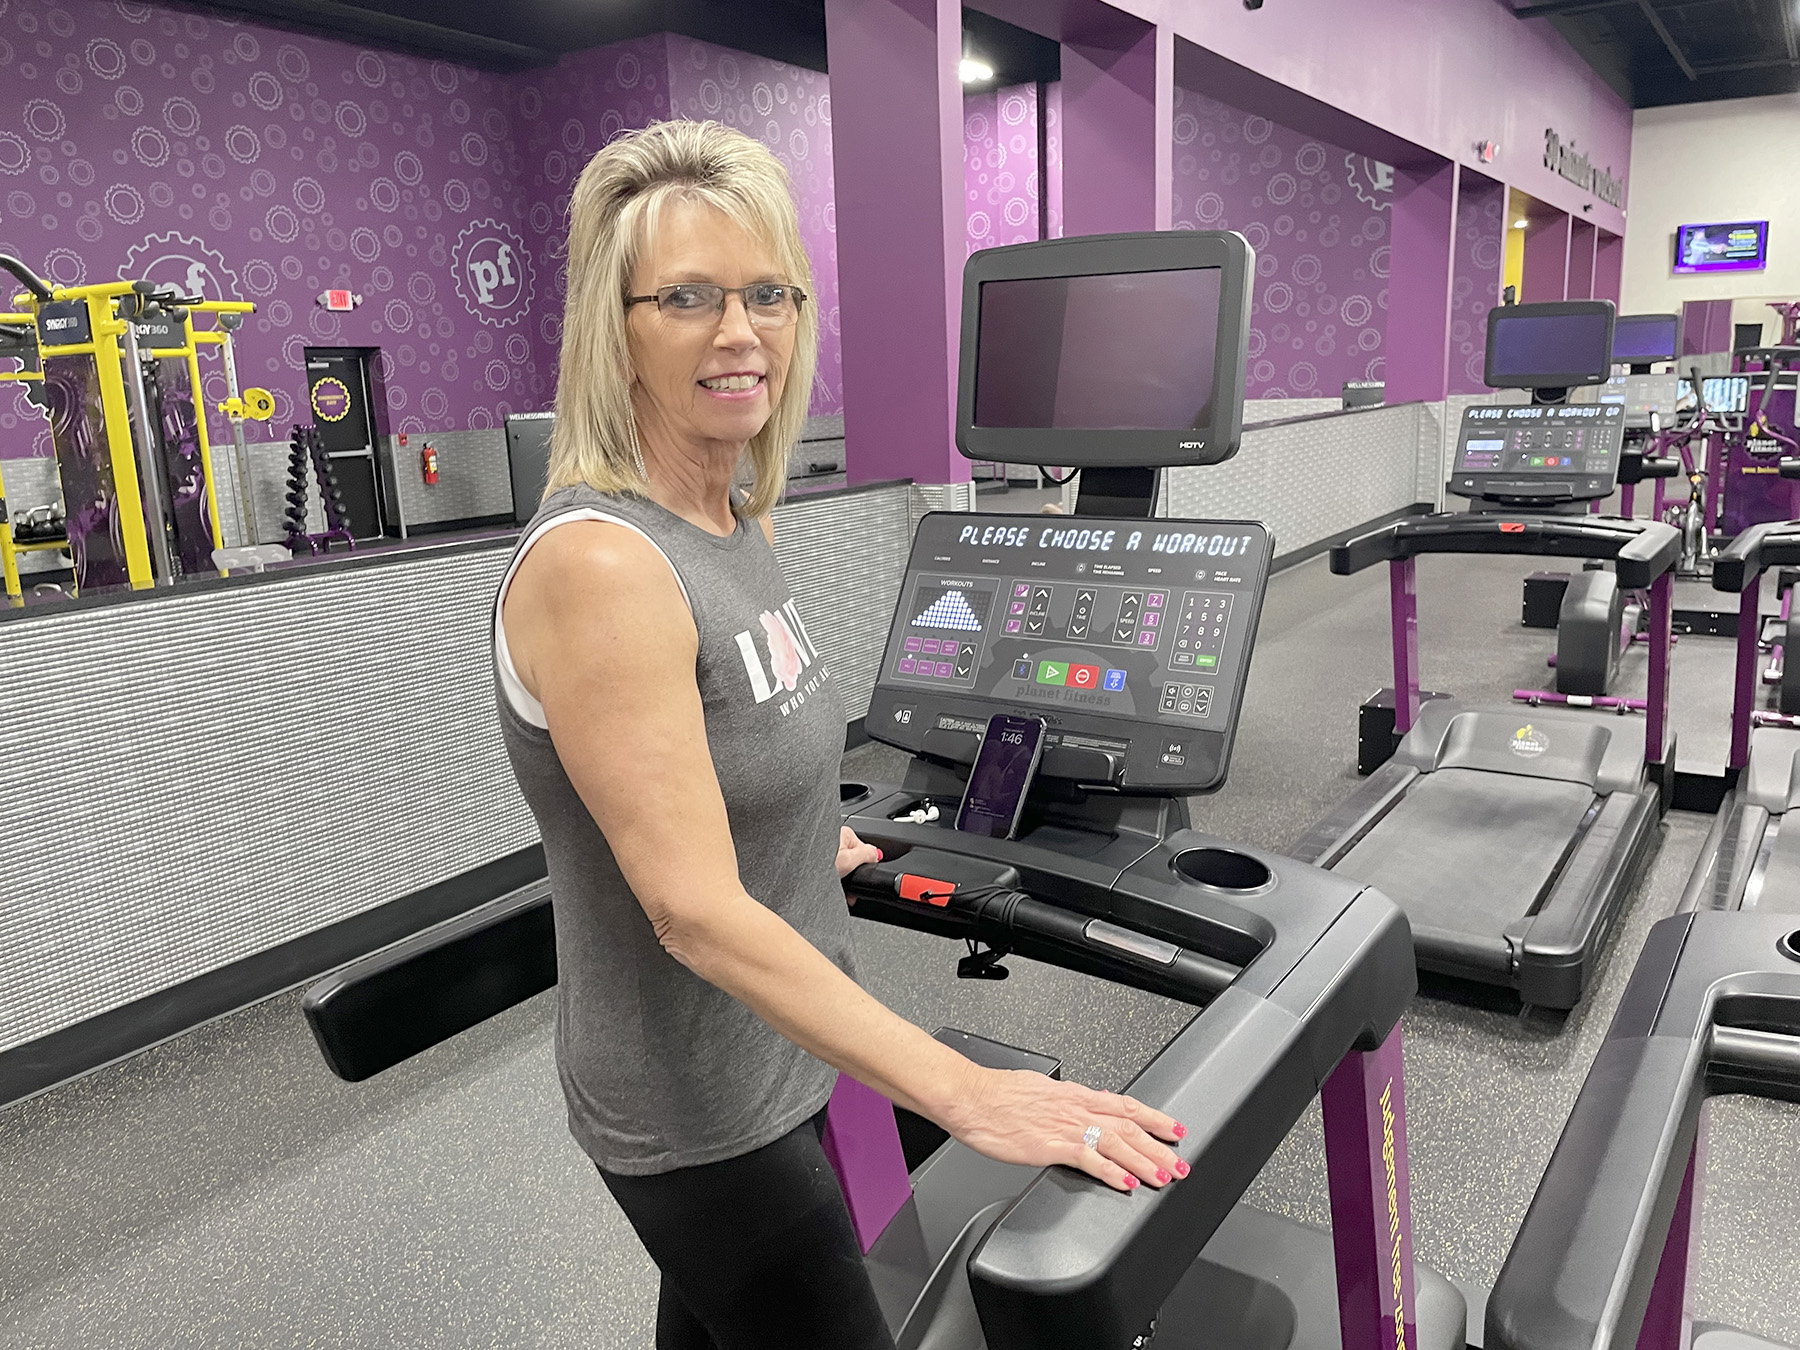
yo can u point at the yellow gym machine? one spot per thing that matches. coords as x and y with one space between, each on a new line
117 365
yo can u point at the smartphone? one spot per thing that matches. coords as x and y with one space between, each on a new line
1004 768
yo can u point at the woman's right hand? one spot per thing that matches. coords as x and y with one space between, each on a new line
1017 1116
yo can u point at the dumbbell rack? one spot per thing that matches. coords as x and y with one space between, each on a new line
306 454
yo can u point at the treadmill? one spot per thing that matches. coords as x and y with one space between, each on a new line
1751 858
1512 835
1603 1258
1131 638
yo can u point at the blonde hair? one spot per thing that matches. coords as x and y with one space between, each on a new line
612 214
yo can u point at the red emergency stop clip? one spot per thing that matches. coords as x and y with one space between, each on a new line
924 890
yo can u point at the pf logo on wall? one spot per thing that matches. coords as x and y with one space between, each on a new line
493 272
331 399
183 261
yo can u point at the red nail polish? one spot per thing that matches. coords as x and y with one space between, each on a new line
1182 1169
1181 1132
880 856
1131 1183
1162 1175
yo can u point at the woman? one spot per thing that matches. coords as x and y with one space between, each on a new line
677 735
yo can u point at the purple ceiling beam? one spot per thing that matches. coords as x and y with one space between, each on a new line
1118 140
897 161
1422 249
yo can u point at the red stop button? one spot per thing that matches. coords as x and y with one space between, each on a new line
1084 677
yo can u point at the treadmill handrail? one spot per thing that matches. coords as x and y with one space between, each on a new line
1753 552
1073 1262
1643 549
1712 1006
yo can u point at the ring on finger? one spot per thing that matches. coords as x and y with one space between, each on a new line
1091 1136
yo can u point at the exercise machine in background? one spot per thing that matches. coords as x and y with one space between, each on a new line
1603 1259
1511 836
1130 638
118 368
1751 857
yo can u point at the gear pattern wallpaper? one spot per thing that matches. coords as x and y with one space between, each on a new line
246 163
1001 180
1318 218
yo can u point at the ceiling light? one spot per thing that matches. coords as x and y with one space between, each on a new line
974 72
1520 224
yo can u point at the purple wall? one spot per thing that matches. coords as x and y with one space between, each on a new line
269 166
1443 75
788 109
1000 168
1318 218
262 165
563 115
1480 249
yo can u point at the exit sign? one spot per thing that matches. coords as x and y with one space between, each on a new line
339 300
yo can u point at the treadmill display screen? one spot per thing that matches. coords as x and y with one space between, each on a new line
1131 638
1537 453
1122 351
1639 396
1645 338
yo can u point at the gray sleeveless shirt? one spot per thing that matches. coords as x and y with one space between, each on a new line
659 1068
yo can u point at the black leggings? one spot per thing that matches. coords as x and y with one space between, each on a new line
756 1252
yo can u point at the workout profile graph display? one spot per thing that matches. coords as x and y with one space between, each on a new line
950 610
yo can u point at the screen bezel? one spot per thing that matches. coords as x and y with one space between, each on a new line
1038 728
1673 321
1108 255
1549 379
1759 264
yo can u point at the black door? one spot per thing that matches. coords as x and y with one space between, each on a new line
342 397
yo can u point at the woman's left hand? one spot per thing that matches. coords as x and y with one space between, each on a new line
853 853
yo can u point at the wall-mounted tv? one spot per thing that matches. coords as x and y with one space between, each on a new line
1741 246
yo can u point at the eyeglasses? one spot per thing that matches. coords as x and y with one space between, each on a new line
769 304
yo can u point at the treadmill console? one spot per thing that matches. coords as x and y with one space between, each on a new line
1640 396
1537 454
1130 637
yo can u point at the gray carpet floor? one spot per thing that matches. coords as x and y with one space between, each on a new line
225 1190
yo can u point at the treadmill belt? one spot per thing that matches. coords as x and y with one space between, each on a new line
1468 851
1780 893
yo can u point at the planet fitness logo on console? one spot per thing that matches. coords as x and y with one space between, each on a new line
493 272
183 261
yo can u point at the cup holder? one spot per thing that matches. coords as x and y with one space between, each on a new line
851 792
1789 946
1223 869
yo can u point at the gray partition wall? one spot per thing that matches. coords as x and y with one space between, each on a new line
244 785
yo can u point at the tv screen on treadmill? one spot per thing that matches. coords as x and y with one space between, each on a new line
1643 338
1118 351
1527 346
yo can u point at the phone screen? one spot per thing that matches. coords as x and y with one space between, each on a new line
1002 775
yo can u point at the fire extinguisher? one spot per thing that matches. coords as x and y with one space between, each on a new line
428 462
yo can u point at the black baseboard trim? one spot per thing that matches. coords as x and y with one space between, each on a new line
39 1065
1283 561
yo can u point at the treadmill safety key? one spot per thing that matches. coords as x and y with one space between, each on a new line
924 890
